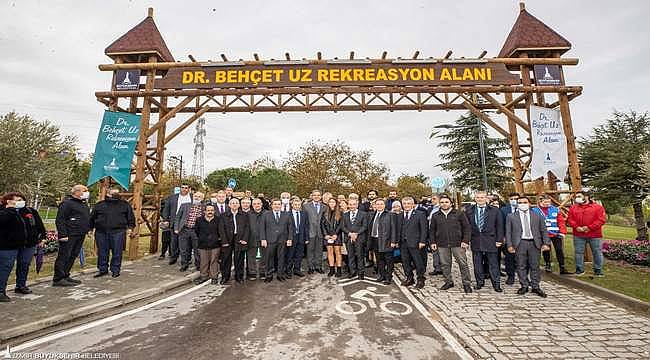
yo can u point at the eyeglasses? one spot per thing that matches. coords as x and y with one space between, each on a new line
185 187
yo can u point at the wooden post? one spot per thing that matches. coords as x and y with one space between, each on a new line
514 149
158 168
567 124
141 153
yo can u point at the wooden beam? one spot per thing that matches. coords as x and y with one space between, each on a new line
509 113
168 115
515 150
486 118
187 123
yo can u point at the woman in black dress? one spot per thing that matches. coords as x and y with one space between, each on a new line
332 239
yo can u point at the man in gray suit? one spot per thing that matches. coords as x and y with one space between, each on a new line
314 209
169 213
276 234
526 235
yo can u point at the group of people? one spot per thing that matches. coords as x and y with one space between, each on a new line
264 239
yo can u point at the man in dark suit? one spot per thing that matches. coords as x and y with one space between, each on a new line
169 213
355 226
255 267
234 227
509 258
383 230
296 252
526 235
413 227
276 234
487 236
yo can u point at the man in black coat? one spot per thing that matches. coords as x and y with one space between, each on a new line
487 236
72 225
276 234
253 266
235 233
296 252
209 245
450 233
413 228
13 237
383 231
111 218
355 227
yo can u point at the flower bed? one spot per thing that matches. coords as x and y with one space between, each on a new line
631 251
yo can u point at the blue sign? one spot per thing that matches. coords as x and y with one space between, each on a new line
438 182
232 183
116 142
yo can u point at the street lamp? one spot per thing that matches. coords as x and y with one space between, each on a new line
180 171
481 143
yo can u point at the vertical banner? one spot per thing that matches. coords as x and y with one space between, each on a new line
549 143
116 143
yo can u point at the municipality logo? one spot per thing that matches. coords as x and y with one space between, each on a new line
112 166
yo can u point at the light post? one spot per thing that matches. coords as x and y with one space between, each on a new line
180 171
481 143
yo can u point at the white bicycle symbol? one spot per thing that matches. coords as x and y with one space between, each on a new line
347 307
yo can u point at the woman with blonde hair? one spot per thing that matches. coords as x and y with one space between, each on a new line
332 236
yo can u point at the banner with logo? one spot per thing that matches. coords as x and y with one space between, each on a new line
116 143
549 143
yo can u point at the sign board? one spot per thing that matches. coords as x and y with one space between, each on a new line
232 183
127 80
118 136
437 182
215 75
549 143
548 75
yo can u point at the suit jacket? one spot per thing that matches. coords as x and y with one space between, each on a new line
254 224
412 231
182 214
492 232
276 231
227 230
387 230
359 226
514 229
449 231
171 205
300 231
314 218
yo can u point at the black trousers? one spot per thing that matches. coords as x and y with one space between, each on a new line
412 257
275 252
491 257
558 244
68 252
385 264
174 248
226 262
166 242
356 256
240 255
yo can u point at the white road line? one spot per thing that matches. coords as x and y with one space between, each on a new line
96 323
451 340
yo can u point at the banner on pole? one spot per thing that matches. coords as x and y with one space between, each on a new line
116 143
549 143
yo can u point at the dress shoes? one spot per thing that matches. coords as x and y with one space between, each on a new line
360 277
419 284
352 275
479 286
320 271
23 290
408 282
63 282
498 289
268 278
100 274
183 268
447 286
299 274
522 290
539 292
380 279
510 280
436 273
387 282
172 261
467 289
214 282
281 278
74 281
114 275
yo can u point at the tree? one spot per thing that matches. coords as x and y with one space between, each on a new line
36 158
462 157
218 179
272 182
415 186
334 167
610 161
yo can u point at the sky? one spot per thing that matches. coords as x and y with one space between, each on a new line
49 52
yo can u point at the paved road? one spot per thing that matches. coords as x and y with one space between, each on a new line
298 319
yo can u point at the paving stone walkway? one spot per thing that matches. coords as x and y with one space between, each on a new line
568 324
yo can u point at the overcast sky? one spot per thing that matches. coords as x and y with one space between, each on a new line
49 52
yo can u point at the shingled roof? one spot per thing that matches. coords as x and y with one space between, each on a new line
143 38
530 33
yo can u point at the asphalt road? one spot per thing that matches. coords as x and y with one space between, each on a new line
310 318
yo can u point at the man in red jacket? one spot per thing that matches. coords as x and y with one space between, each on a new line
587 219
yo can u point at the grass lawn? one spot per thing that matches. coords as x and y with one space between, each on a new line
621 277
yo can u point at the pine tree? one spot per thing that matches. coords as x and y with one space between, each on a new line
462 156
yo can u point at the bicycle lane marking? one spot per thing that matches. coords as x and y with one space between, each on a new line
437 325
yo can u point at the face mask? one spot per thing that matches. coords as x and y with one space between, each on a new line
213 200
196 202
580 200
513 202
523 207
85 195
20 204
285 201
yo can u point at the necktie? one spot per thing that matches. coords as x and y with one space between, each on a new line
234 220
353 216
220 209
375 226
277 216
297 216
317 207
481 217
527 233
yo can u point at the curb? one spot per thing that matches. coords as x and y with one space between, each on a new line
620 299
93 309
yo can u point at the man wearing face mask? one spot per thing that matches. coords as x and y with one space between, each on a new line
526 234
72 225
35 236
184 227
556 227
111 218
587 219
13 237
285 198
